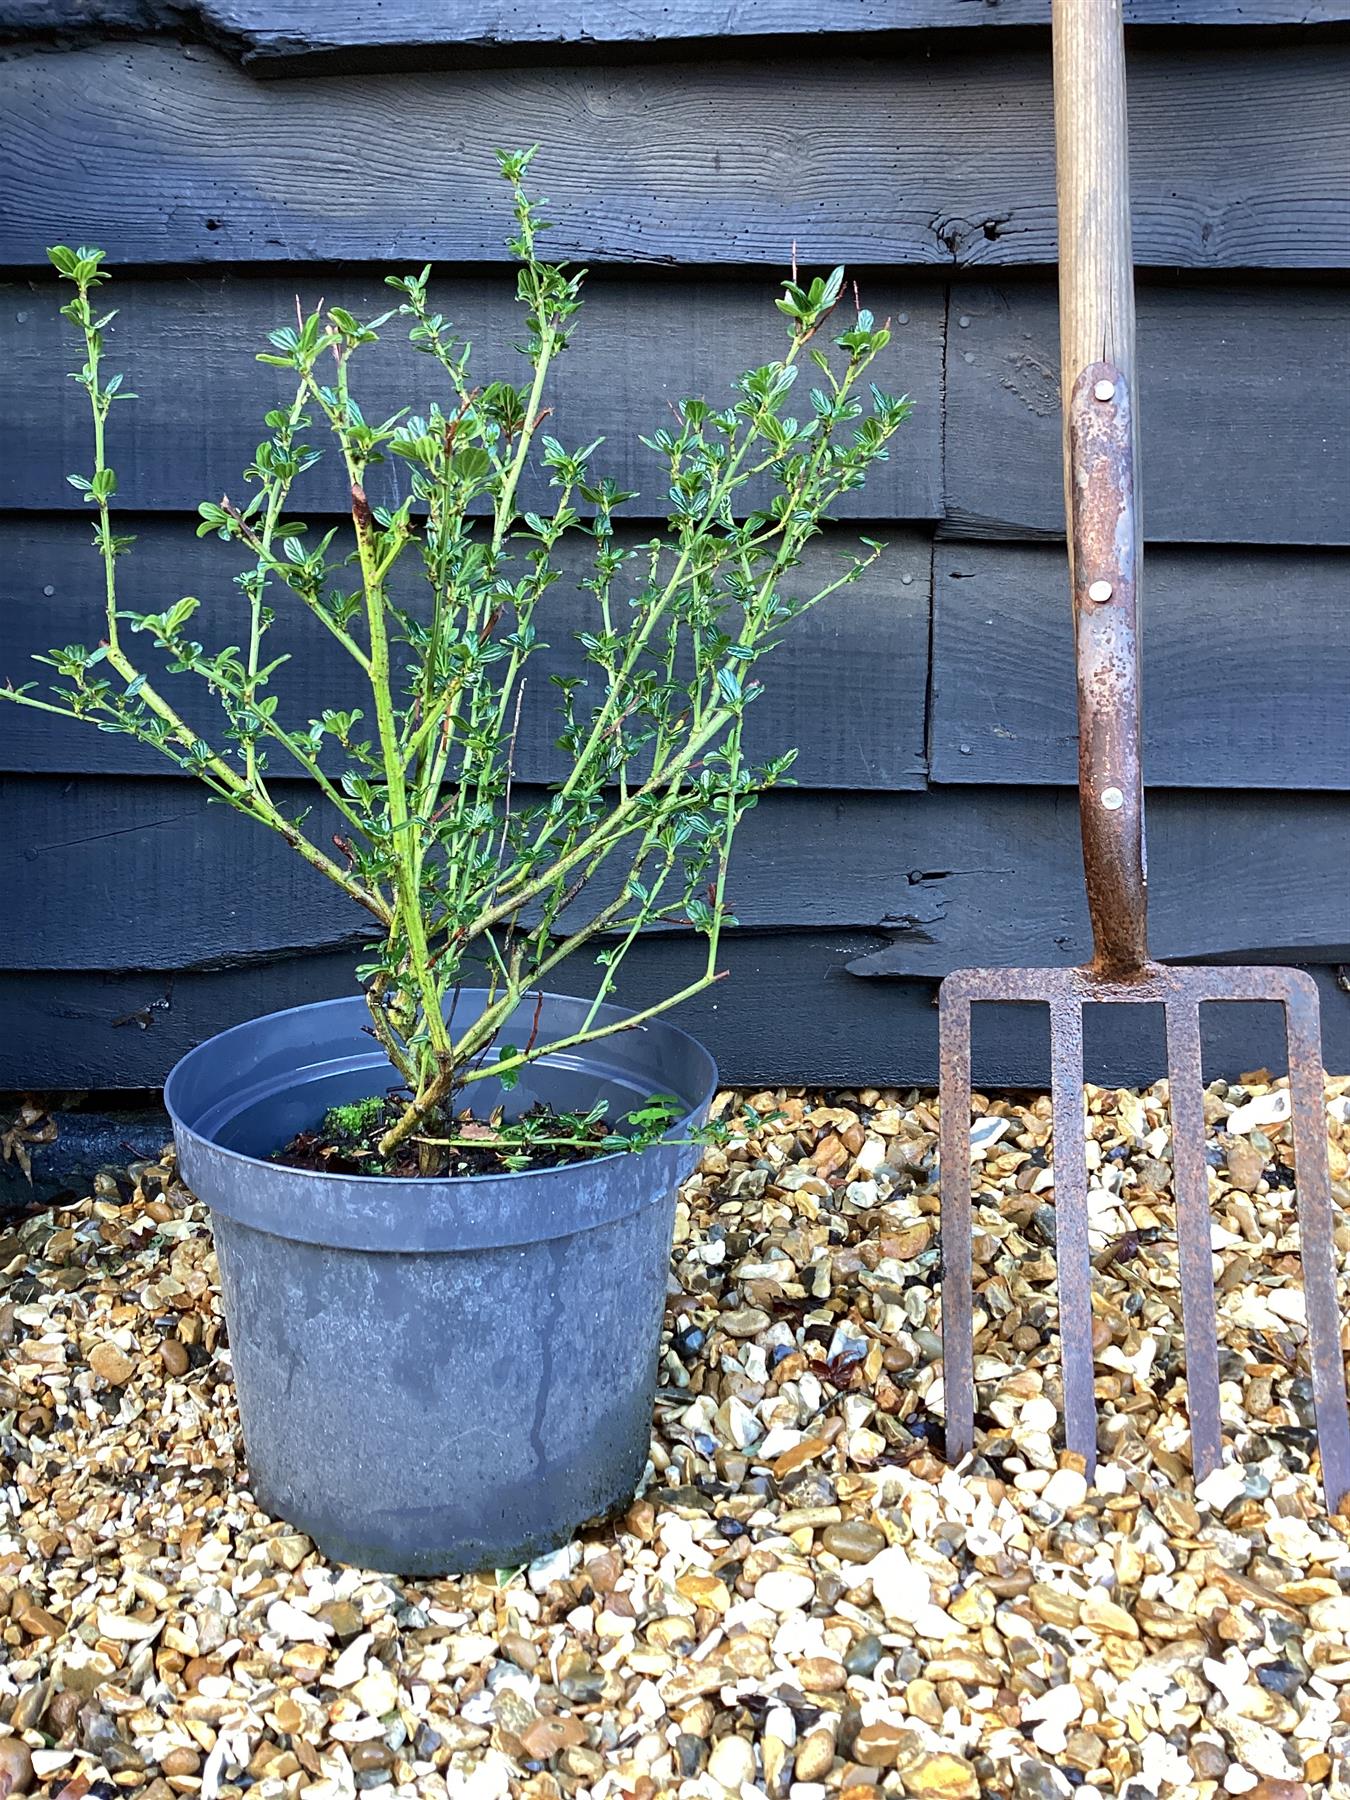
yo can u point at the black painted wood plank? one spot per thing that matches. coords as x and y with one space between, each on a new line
1246 667
188 349
940 160
1242 420
848 689
110 873
277 36
789 1013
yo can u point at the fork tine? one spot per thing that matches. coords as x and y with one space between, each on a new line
1317 1248
1071 1230
958 1327
1190 1186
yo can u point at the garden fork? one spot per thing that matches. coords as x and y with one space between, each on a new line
1104 542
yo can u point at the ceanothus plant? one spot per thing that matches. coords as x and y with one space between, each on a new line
464 875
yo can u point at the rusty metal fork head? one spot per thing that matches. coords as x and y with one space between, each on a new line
1180 991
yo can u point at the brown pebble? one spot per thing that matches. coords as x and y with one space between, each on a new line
815 1755
1208 1759
16 1766
369 1757
547 1736
35 1619
921 1702
61 1713
883 1745
640 1519
520 1651
174 1356
1083 1751
182 1761
941 1775
111 1364
1246 1165
854 1540
821 1675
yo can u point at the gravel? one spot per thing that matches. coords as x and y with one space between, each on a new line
803 1601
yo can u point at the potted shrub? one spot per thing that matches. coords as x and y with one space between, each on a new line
443 1206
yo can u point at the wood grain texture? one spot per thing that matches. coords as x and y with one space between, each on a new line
188 349
1246 667
1242 420
848 688
116 874
276 36
86 1030
943 160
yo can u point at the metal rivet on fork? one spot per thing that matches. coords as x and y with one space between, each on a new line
1100 592
1104 390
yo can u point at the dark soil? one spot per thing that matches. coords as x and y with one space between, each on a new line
345 1144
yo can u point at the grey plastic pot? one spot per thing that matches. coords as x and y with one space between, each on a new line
437 1375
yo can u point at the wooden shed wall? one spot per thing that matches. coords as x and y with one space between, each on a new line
231 152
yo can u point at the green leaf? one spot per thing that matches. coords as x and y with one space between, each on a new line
730 684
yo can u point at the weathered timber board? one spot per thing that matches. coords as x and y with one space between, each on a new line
1246 667
945 159
847 687
1243 428
788 1013
277 36
113 873
188 348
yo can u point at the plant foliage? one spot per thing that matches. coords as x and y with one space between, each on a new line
465 878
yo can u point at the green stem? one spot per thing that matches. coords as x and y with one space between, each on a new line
518 1059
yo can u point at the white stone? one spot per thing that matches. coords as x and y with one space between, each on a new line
780 1724
1265 1109
871 1156
1295 1540
732 1763
1039 1414
900 1586
1111 1478
1051 1715
931 1622
1288 1303
556 1566
1220 1489
985 1133
784 1590
1331 1615
47 1762
1065 1488
351 1664
287 1621
1238 1780
376 1692
1056 1706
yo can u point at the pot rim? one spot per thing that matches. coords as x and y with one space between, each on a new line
373 1185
